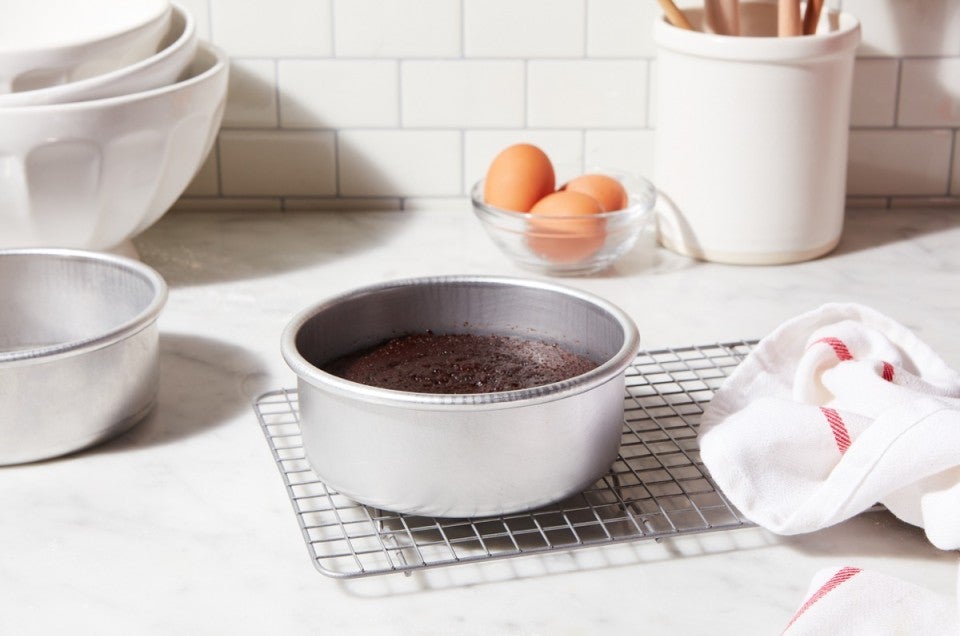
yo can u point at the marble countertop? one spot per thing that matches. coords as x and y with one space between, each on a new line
182 524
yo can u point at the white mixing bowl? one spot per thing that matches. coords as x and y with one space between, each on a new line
50 42
173 54
91 175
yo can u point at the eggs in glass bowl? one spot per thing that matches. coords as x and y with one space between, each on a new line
572 227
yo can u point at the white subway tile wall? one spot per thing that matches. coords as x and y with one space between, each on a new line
277 163
364 94
462 94
402 104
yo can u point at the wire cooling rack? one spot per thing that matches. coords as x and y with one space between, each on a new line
657 487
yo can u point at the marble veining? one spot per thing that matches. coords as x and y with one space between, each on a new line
181 525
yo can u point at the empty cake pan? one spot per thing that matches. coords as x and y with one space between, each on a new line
79 352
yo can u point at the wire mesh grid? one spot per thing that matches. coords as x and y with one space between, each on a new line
657 487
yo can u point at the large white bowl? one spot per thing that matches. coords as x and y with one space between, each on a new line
173 54
50 42
91 175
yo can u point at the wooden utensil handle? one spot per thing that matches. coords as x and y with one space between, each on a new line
812 16
674 15
788 18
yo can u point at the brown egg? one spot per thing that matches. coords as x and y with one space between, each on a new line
606 190
563 227
518 177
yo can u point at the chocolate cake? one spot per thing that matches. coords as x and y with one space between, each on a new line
459 363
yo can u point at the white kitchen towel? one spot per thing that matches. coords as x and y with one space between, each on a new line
834 411
852 601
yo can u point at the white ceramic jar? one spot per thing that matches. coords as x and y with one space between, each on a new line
751 138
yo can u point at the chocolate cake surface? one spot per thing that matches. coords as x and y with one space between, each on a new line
459 363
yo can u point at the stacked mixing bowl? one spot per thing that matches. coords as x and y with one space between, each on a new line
107 110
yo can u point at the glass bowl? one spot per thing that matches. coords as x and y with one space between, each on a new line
564 245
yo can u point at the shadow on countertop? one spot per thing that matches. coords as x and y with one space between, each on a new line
870 535
190 249
199 390
874 533
866 228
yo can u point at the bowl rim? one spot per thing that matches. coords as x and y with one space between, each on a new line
66 91
218 64
647 198
323 380
159 12
144 318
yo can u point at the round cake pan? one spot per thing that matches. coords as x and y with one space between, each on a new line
79 352
461 455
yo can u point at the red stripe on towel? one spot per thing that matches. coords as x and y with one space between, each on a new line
888 372
838 348
842 575
840 434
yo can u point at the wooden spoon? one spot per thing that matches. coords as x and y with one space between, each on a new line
812 16
788 18
723 16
